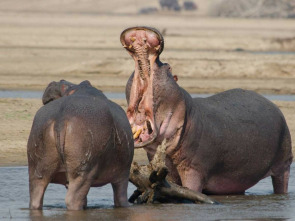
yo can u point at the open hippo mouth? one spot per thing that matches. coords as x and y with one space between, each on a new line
144 45
147 132
143 134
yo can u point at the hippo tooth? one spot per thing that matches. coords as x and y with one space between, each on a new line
130 46
136 135
133 130
157 47
132 38
124 46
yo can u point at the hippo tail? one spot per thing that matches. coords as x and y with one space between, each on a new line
60 134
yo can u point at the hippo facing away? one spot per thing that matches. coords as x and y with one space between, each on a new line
223 144
79 139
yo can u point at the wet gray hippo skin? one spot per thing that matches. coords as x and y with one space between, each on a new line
81 137
223 144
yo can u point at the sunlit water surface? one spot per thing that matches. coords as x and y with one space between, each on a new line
258 204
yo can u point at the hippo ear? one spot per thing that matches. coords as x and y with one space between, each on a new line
86 83
64 87
175 77
51 93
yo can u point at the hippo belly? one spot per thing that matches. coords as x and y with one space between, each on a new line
219 185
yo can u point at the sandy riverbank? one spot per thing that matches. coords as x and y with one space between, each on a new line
208 54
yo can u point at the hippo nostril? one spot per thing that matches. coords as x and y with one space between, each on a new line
149 127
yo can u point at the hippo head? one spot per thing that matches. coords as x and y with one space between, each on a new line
155 101
59 89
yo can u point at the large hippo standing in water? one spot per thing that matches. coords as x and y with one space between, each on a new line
79 139
223 144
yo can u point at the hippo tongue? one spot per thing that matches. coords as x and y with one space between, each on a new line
144 137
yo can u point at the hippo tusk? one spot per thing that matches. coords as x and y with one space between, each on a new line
136 135
133 130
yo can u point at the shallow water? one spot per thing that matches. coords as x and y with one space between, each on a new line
258 204
114 95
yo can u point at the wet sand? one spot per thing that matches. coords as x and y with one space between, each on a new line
44 41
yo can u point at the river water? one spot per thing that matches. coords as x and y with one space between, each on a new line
257 204
114 95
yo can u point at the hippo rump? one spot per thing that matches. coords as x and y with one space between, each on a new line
223 144
79 139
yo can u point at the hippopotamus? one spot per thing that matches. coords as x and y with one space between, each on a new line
79 139
223 144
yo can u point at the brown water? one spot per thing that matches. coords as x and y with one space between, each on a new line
258 204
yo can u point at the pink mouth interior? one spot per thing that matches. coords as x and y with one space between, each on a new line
146 133
144 45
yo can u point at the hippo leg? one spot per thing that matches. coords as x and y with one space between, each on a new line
191 179
280 171
120 193
37 189
76 197
40 175
280 182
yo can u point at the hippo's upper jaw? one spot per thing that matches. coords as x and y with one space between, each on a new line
153 95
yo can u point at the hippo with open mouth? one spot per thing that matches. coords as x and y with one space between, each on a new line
223 144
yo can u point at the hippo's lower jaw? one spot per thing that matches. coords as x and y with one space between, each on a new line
141 144
145 135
